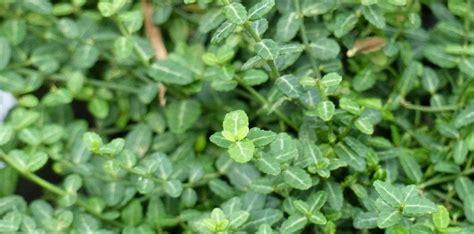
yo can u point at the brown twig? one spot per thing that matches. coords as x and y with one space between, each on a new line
156 39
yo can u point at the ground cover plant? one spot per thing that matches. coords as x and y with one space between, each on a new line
227 116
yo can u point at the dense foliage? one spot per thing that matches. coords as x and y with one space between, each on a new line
268 116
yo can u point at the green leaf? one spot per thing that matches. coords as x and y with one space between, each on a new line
260 9
388 218
297 178
171 72
349 105
261 137
389 193
317 218
287 27
365 220
85 56
14 30
267 49
330 82
313 155
173 188
57 97
441 218
364 80
182 115
411 167
283 148
325 110
132 214
345 22
374 15
235 125
289 85
236 13
238 218
348 155
223 32
6 134
268 165
324 48
211 20
398 2
419 206
99 108
72 183
93 141
219 139
241 151
293 224
335 197
460 152
5 51
265 229
132 20
138 140
254 77
430 80
317 200
465 117
36 161
318 7
39 6
221 188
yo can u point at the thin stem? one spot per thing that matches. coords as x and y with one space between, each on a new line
53 188
264 102
411 106
274 73
304 38
442 179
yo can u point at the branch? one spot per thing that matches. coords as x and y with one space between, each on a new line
156 39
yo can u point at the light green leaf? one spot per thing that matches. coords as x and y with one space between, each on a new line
283 148
330 82
460 152
6 134
260 9
211 20
349 105
389 193
289 85
173 188
132 20
419 206
265 229
39 6
430 80
36 161
261 137
325 110
335 197
268 165
85 56
324 48
132 214
223 32
30 136
374 15
348 155
317 218
236 13
293 224
238 218
297 178
235 125
465 117
267 49
287 27
14 30
181 115
388 218
467 66
365 220
221 188
317 200
364 80
441 218
99 108
255 77
318 7
219 139
93 141
171 72
5 51
411 167
242 151
345 22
